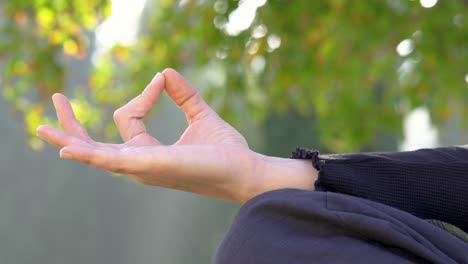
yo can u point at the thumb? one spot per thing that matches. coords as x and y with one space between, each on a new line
185 96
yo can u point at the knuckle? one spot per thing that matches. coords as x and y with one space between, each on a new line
88 160
192 98
118 166
119 169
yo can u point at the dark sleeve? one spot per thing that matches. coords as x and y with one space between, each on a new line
428 183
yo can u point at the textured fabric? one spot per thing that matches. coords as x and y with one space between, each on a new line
428 183
297 227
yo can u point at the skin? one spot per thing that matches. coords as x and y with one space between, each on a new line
210 158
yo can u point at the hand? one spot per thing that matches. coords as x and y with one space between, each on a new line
211 158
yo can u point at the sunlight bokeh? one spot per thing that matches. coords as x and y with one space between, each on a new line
121 27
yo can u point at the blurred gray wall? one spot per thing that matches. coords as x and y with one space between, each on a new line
56 211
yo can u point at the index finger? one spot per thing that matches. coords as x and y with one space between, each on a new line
129 118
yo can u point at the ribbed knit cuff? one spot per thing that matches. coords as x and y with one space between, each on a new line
317 163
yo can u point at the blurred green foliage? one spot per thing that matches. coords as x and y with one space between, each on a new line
335 59
34 36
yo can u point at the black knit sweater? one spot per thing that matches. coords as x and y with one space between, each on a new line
428 183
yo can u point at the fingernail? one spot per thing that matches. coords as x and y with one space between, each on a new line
37 130
152 80
156 76
65 155
55 95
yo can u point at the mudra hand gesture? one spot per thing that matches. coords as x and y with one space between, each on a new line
210 158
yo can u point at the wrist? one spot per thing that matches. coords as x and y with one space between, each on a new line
273 173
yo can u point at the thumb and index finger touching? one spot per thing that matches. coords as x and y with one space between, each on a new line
129 118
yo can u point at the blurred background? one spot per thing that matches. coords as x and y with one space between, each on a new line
334 75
